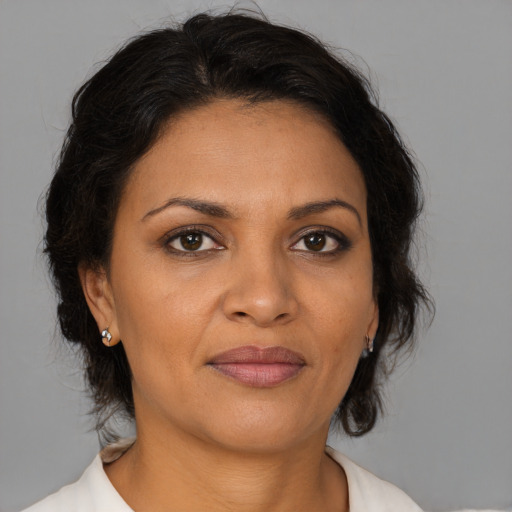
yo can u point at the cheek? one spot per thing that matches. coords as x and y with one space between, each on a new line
341 311
161 311
342 305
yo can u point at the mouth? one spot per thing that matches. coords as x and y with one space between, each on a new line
258 367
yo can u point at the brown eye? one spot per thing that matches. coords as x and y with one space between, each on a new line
315 241
322 242
191 241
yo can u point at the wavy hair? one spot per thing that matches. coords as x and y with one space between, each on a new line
118 114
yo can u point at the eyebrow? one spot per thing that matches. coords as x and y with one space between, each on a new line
208 208
213 209
300 212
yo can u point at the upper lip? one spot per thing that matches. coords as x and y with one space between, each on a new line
256 355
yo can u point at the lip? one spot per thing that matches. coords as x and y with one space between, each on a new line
259 367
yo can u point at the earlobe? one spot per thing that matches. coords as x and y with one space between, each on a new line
99 297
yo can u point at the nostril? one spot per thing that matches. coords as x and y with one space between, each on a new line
240 314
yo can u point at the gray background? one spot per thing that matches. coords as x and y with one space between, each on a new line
444 71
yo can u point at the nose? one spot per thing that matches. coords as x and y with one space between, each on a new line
260 292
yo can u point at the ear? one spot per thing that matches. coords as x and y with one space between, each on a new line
100 299
373 323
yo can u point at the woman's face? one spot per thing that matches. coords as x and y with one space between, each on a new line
243 229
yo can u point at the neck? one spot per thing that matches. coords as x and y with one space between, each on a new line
172 471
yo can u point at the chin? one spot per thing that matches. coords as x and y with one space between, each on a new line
262 431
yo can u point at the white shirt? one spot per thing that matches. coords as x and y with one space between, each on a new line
94 492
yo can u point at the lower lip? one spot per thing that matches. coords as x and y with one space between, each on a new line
259 375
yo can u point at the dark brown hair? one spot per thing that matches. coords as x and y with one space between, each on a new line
116 118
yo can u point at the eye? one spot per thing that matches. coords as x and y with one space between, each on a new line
192 241
322 242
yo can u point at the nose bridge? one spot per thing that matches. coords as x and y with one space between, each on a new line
260 287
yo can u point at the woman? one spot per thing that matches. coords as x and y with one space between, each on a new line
228 231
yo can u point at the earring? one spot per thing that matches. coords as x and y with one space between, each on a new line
369 343
106 337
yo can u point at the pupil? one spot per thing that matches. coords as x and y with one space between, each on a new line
315 242
191 241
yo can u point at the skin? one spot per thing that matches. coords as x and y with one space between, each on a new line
204 440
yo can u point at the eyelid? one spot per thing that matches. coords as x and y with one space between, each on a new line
344 243
206 231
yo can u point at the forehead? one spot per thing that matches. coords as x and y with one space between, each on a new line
260 155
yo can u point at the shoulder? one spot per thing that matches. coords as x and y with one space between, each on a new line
71 497
93 492
66 498
369 493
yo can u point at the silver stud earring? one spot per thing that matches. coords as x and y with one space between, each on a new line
106 337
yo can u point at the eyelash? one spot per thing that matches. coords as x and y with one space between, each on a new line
343 243
175 235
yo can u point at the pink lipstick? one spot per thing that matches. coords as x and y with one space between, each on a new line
259 367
